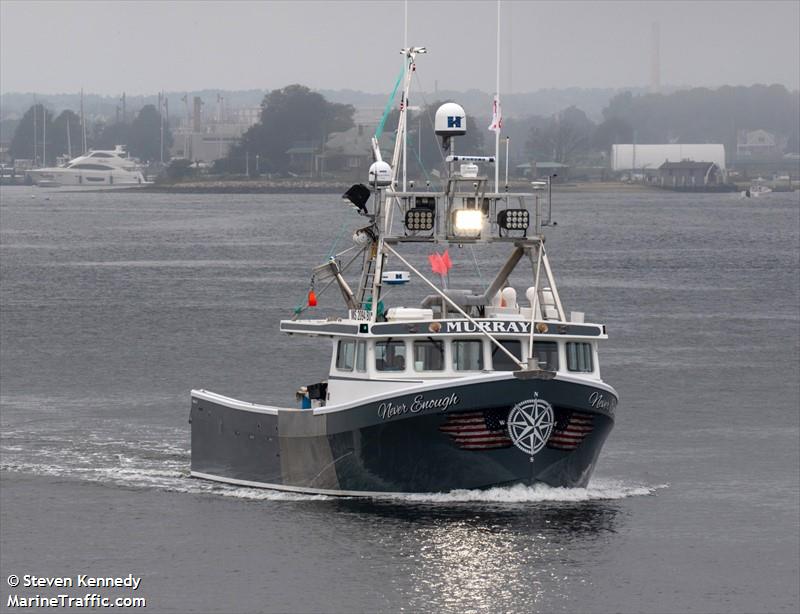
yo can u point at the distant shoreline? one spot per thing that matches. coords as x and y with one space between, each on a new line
329 187
238 186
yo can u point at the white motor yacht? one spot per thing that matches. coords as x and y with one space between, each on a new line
98 167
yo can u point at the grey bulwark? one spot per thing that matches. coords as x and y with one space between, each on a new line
323 328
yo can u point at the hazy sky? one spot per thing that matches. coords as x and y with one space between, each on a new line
141 47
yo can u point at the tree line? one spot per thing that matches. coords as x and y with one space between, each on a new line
43 137
697 115
297 116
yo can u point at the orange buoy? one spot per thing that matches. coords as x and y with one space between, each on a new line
312 299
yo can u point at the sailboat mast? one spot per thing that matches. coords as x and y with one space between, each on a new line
83 124
497 95
405 92
44 135
35 133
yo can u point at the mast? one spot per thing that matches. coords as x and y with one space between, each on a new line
405 94
186 128
497 109
44 136
83 124
161 123
375 255
69 142
35 132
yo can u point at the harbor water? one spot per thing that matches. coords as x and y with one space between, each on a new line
114 305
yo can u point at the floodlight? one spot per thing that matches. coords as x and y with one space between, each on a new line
468 222
357 196
513 219
419 218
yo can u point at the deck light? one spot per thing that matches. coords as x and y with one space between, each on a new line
513 219
357 196
468 222
419 218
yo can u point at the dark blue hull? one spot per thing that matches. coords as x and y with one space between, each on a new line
433 439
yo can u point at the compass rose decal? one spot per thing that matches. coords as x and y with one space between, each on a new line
530 424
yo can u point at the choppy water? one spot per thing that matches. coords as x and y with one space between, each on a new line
115 305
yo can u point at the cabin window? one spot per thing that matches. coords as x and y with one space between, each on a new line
579 357
361 356
345 355
428 355
390 355
546 354
502 361
468 355
93 167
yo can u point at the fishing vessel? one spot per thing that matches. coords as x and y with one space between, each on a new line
468 388
98 167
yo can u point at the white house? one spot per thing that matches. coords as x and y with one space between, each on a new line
629 157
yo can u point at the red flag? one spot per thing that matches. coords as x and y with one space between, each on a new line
437 263
446 259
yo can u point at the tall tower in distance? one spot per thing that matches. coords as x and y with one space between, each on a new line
655 67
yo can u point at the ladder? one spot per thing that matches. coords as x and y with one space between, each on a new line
368 277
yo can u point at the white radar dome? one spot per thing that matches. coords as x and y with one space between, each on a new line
451 120
380 173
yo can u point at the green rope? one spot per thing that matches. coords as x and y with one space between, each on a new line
338 238
388 108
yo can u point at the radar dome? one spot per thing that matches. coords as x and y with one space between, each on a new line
451 120
380 173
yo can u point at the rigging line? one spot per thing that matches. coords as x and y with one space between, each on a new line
477 268
387 109
331 253
336 241
430 120
300 308
422 166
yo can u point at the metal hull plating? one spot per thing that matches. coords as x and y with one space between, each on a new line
432 438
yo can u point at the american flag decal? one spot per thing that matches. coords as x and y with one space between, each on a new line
478 430
570 430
